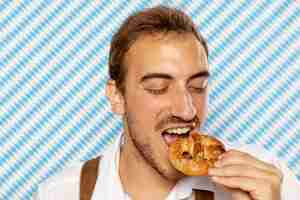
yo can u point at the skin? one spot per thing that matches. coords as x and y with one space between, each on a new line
247 177
166 86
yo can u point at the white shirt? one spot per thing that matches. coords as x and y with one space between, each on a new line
108 186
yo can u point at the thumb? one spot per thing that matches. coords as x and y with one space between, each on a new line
238 194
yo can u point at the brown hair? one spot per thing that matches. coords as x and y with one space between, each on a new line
159 19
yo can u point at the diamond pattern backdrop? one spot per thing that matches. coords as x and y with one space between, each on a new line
53 68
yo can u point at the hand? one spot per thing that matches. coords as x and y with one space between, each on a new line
246 177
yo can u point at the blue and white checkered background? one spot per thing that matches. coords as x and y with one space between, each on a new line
53 68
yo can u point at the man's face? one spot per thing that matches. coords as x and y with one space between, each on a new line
165 88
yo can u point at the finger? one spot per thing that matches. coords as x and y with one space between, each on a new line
244 183
237 194
244 171
234 157
257 189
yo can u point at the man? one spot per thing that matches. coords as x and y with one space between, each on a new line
158 82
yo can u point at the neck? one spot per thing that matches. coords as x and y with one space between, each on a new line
139 179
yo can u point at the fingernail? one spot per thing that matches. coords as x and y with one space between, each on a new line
214 178
211 171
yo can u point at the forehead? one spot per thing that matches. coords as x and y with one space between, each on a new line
179 55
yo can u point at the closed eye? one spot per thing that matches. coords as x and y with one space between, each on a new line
198 89
157 91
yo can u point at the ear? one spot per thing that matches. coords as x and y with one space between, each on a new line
115 97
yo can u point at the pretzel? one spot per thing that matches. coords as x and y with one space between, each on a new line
194 155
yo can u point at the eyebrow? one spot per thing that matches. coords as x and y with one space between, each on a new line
156 75
169 77
200 74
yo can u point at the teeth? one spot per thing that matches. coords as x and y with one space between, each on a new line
178 130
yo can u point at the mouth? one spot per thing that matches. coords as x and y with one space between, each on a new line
170 135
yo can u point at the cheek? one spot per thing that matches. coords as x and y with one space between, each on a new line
141 111
201 102
146 104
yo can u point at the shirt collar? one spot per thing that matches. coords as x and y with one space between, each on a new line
108 185
185 186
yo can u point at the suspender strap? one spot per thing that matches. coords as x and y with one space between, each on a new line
88 178
89 174
203 195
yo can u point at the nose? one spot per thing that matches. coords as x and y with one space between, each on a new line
183 106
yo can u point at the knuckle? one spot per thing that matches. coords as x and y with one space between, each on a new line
274 179
278 175
268 186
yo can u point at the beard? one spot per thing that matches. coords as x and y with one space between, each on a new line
147 152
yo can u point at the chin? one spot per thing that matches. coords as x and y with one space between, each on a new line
171 173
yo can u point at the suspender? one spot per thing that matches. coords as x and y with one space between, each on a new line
88 178
203 195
